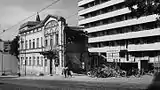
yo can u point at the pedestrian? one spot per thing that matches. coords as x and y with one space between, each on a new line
19 74
69 72
65 71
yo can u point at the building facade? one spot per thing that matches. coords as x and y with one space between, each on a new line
43 45
8 62
118 35
7 46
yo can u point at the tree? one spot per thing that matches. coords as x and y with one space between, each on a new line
14 47
143 7
14 50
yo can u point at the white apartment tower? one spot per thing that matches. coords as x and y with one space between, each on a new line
118 35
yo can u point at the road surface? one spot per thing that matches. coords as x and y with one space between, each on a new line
69 84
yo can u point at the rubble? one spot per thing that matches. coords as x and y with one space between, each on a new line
105 71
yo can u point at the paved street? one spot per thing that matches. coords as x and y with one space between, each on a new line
74 83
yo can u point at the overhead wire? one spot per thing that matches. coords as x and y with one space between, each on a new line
29 17
34 15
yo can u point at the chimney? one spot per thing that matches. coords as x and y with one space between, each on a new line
38 17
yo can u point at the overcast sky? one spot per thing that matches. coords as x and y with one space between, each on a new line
13 11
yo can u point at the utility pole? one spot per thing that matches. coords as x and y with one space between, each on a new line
2 61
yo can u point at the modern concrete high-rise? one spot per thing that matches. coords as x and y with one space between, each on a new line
118 35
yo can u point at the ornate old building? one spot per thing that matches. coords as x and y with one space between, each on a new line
47 46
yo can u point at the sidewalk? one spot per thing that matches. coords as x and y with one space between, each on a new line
9 76
123 80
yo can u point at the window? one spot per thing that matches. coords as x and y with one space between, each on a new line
22 43
56 39
26 61
51 42
38 61
26 46
46 42
21 60
34 61
45 63
41 61
37 42
33 43
41 42
30 61
29 44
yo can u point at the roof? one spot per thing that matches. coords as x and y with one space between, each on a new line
29 23
35 23
75 28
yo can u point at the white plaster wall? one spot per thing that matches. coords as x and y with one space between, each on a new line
10 64
34 69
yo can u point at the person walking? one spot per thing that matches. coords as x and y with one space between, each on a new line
65 71
69 72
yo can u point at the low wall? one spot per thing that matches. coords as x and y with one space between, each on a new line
8 64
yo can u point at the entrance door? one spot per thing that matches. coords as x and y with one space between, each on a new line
144 65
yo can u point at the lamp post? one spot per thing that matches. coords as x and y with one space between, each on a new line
2 62
23 41
25 53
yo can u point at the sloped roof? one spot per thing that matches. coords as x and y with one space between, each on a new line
29 23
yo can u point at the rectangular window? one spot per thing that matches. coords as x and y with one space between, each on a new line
41 61
56 39
33 43
46 42
26 46
34 62
51 43
22 43
37 42
41 42
26 61
38 61
45 63
30 61
21 60
29 44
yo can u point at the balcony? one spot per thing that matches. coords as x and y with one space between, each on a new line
129 22
83 2
99 6
130 35
105 16
105 49
144 47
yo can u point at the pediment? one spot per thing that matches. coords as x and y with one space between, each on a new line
53 17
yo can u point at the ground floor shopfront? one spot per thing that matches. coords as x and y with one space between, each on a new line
144 60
